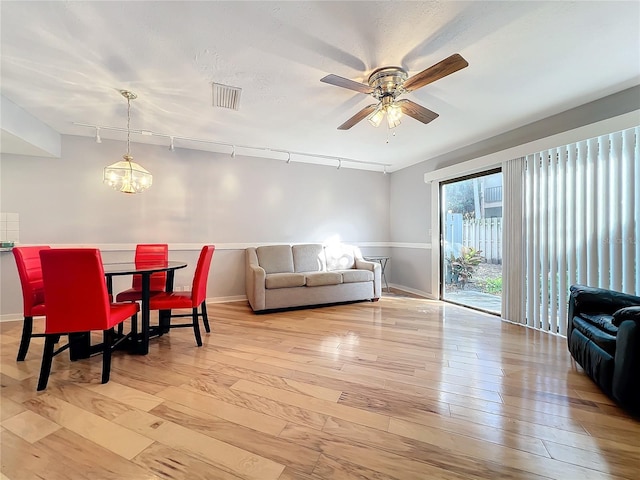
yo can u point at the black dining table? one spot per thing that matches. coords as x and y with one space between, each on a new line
81 344
144 270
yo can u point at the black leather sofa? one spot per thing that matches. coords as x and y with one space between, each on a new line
603 333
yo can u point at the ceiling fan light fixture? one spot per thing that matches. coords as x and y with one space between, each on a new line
385 84
394 113
376 116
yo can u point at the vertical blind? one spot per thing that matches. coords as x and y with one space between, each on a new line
581 223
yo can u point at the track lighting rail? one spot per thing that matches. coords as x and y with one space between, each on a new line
234 146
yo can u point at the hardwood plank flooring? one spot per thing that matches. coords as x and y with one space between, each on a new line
404 388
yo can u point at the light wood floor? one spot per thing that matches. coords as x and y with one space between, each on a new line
404 388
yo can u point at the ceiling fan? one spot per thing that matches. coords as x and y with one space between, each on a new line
386 84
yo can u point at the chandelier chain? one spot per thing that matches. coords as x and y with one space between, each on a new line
128 123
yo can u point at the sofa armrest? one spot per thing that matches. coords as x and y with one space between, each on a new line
626 313
377 276
625 387
255 277
599 300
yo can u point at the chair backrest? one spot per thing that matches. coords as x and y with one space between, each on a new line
201 275
151 253
75 290
30 273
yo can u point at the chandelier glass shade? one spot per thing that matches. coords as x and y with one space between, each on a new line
127 176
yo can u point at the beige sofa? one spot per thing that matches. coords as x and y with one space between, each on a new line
283 276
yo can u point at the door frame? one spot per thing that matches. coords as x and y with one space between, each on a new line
441 225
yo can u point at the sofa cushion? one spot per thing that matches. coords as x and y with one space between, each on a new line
275 258
354 275
604 340
316 279
308 258
602 321
597 363
340 257
284 280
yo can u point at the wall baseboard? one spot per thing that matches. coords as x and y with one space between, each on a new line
17 317
229 299
420 293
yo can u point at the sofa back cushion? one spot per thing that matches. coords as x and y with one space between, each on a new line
340 257
275 258
308 258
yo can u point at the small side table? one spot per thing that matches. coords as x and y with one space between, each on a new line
382 260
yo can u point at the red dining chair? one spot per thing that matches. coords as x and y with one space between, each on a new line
30 273
165 302
78 301
147 253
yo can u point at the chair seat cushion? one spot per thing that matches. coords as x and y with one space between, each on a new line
133 295
284 280
354 275
316 279
604 340
602 321
122 311
169 301
38 310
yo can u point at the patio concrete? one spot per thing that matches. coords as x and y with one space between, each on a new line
484 301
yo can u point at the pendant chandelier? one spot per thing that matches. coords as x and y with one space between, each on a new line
126 176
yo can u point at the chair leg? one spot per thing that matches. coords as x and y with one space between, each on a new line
196 327
107 338
47 357
27 328
205 318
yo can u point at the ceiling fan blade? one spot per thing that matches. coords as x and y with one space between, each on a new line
361 115
346 83
416 111
441 69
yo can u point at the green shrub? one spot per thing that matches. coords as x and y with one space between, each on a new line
461 268
493 286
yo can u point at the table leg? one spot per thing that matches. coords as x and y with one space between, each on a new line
79 345
383 265
143 346
164 315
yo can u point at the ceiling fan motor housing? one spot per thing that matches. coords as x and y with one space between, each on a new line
387 82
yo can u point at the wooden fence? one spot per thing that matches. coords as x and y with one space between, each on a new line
484 234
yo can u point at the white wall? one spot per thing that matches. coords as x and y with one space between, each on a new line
197 198
410 222
201 197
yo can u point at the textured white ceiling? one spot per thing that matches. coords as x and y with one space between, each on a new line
64 62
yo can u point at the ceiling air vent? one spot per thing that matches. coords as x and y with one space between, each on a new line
225 96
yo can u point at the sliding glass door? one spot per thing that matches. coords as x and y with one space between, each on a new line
471 233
